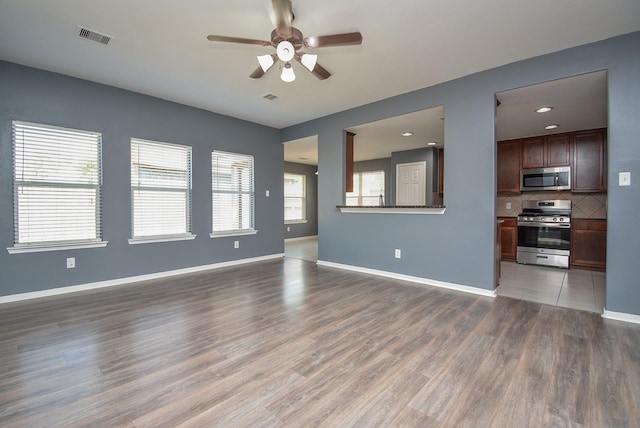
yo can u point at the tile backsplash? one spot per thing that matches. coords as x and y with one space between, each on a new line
583 205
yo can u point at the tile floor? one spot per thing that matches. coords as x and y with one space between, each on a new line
573 288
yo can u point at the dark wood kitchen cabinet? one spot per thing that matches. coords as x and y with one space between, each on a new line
589 169
533 152
589 244
546 152
509 238
509 155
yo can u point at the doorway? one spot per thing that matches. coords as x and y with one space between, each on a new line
541 126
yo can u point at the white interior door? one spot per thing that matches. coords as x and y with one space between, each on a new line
411 183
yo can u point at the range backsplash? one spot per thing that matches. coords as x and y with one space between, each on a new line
584 205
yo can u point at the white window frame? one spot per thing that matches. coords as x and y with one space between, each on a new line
303 198
178 154
226 184
52 147
357 183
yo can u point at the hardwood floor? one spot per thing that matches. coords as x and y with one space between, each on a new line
289 343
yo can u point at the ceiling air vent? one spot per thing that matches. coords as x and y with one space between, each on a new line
94 36
270 97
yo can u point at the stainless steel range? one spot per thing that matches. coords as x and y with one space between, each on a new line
544 233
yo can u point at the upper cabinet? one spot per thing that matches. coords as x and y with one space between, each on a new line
584 151
589 161
548 151
533 152
509 166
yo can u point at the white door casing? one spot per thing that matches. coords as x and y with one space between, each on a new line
411 183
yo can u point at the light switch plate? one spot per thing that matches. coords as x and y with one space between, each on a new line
624 179
266 193
508 205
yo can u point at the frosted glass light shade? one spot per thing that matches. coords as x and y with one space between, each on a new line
309 61
287 73
266 61
285 51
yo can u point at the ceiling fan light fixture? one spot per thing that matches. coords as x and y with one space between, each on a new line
285 51
287 73
309 61
266 62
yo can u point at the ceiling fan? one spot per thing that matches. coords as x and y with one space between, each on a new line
288 41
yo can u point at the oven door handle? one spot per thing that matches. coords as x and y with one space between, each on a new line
538 224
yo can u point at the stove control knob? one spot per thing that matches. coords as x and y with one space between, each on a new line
555 219
561 219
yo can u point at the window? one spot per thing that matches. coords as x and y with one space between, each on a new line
160 191
368 189
56 187
232 194
295 198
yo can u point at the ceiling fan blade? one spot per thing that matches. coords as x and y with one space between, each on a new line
214 38
345 39
258 73
282 17
319 71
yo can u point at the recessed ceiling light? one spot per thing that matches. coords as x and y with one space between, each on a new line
433 143
551 126
544 109
407 134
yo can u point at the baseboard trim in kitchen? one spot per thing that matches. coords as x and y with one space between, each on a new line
416 279
621 316
131 279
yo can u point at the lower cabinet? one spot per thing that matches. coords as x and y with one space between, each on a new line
509 238
589 244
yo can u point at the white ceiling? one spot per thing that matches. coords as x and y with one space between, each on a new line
159 47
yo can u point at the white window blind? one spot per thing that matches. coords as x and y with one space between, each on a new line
57 179
368 189
232 193
160 190
294 197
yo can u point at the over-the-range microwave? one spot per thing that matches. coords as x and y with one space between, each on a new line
558 178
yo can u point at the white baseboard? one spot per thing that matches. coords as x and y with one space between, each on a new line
131 279
301 238
416 279
621 316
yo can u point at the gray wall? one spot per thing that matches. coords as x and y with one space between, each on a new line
310 228
32 95
458 247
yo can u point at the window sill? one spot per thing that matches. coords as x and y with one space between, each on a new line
295 221
233 233
61 247
151 240
431 209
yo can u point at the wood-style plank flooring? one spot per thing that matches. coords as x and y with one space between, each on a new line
289 343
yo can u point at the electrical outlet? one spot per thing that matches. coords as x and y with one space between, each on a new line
288 228
236 244
624 179
71 262
508 205
398 253
266 193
